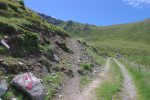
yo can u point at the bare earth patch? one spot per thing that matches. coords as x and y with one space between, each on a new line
70 90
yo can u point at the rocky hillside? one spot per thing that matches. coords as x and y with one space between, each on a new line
51 19
74 28
28 43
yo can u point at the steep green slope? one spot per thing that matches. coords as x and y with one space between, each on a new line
26 32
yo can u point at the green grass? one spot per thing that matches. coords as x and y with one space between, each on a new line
86 66
111 87
98 57
14 93
120 46
52 83
141 79
144 60
8 95
85 80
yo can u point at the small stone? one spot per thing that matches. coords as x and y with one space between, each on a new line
60 96
3 87
79 61
20 63
53 74
94 71
56 58
1 60
6 77
86 58
5 44
67 91
13 99
69 64
58 88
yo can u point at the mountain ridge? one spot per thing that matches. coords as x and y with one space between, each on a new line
130 34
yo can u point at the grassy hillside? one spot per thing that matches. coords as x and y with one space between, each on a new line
32 41
132 38
25 30
127 38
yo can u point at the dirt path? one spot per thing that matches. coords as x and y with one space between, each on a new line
70 90
88 92
128 91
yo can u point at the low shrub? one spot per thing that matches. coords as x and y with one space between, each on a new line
5 13
47 50
63 47
45 62
86 66
21 2
24 44
8 28
2 50
13 7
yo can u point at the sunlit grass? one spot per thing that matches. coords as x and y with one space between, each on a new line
141 79
110 87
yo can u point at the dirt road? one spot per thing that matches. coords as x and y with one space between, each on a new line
88 92
128 90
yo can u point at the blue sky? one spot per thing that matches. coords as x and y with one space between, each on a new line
97 12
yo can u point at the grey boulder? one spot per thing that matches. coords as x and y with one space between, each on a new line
31 85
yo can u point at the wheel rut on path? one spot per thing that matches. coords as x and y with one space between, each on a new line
88 92
128 91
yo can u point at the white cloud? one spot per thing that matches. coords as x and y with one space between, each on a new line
137 3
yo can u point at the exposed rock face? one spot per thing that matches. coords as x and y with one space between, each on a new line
51 19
